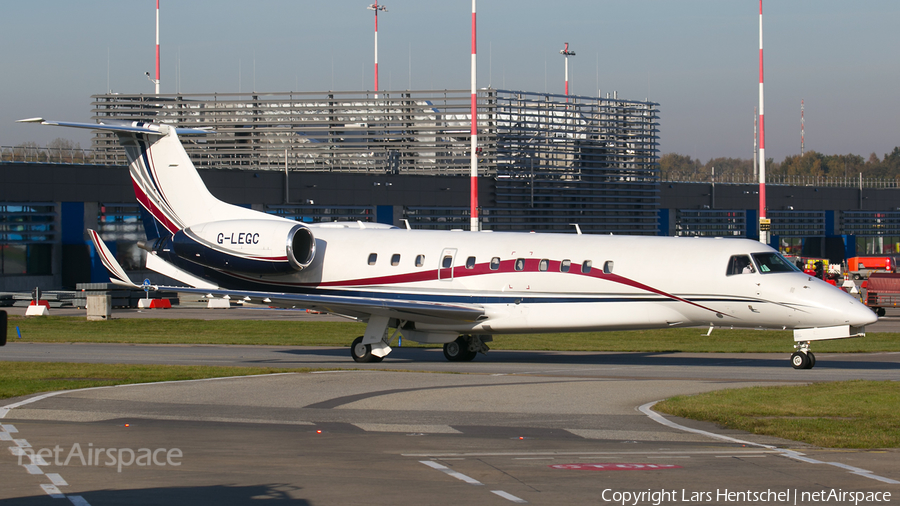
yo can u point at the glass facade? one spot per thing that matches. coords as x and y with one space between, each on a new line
711 223
27 234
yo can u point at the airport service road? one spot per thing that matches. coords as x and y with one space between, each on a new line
522 427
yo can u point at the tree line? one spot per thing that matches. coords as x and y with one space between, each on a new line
676 167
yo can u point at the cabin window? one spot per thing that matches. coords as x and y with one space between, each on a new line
420 260
608 267
470 263
773 262
495 263
372 258
395 259
544 265
565 265
586 267
520 264
740 264
447 262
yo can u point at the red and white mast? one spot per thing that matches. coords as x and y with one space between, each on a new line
157 48
763 234
375 7
802 128
567 53
473 199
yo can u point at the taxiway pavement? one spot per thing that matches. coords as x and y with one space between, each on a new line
512 427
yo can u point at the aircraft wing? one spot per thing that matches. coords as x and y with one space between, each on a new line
356 306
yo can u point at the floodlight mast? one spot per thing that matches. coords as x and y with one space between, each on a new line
567 53
156 81
473 175
375 7
764 223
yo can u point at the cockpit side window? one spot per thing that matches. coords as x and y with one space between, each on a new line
773 262
740 264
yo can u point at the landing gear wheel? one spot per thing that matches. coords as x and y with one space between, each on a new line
799 360
812 359
362 353
458 351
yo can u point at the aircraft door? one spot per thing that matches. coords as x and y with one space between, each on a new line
445 269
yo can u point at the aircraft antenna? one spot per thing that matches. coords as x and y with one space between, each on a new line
473 198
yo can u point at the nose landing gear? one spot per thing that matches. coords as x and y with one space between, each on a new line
803 358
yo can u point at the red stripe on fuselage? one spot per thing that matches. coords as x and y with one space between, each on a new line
506 267
144 200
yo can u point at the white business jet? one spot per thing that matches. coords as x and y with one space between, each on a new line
459 288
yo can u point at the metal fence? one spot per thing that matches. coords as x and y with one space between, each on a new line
35 154
796 180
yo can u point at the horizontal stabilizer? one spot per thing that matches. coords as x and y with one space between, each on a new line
118 275
122 126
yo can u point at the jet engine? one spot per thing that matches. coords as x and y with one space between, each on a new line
247 246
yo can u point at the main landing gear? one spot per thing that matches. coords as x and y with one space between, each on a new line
464 348
803 358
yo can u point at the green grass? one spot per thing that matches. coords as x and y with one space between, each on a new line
24 378
183 331
847 414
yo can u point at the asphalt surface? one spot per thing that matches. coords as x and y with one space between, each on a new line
513 427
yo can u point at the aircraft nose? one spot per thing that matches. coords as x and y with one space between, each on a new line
860 315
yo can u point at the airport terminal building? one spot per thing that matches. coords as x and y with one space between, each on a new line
546 162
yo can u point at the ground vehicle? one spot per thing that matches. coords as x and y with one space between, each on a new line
862 267
883 290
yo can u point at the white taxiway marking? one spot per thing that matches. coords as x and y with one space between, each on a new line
510 497
52 491
459 476
791 454
471 481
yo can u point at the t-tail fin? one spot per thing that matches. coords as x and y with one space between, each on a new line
165 181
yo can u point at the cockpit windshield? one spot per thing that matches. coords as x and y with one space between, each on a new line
773 262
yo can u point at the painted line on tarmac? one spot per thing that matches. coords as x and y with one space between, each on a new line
444 469
791 454
471 481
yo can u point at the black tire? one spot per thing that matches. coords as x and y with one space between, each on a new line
880 312
812 359
362 353
799 360
458 350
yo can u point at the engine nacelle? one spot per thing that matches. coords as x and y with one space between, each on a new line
247 246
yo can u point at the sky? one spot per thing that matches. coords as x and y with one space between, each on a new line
697 58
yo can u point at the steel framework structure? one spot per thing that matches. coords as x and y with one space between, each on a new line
589 160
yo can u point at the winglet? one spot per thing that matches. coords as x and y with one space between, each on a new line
118 275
